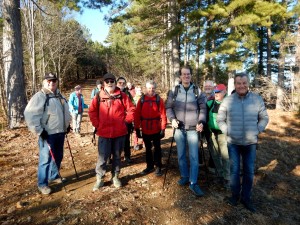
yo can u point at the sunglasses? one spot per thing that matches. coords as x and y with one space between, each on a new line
49 81
109 81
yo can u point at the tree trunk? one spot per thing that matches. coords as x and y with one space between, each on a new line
269 49
13 63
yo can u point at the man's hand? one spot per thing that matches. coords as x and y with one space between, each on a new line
138 133
199 127
44 135
174 123
162 134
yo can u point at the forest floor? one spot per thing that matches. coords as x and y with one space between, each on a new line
142 199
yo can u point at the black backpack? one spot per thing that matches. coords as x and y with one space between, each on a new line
157 100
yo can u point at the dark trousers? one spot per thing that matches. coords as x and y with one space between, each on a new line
127 152
152 159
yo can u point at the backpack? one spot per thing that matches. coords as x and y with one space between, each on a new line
117 97
195 91
61 98
157 100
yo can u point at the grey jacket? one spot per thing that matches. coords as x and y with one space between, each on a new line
54 117
242 118
186 107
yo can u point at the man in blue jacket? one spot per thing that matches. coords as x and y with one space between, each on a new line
76 106
242 116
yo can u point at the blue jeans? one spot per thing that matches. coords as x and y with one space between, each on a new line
248 153
190 137
48 169
106 148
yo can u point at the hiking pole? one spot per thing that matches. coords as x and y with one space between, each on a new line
72 157
168 161
53 158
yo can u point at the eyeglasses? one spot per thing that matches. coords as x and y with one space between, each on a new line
49 81
109 81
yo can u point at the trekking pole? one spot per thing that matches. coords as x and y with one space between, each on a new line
53 158
72 157
168 161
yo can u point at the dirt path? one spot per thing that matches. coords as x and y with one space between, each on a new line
142 200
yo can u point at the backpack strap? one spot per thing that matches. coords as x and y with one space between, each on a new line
157 100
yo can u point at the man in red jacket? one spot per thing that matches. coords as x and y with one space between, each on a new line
109 112
151 116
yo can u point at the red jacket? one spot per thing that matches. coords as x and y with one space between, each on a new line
109 116
150 117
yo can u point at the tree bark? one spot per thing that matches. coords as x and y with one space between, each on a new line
13 63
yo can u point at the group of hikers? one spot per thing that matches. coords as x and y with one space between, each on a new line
230 124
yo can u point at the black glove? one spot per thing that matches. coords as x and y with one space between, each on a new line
162 134
69 129
138 133
129 127
44 135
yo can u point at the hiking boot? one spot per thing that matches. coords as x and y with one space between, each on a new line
58 180
233 201
248 205
116 181
158 172
99 183
183 181
45 190
147 170
196 190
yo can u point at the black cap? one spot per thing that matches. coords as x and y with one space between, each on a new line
109 76
50 76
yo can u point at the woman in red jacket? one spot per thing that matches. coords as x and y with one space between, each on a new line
109 112
150 115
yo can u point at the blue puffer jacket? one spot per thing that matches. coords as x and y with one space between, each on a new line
74 102
186 108
242 118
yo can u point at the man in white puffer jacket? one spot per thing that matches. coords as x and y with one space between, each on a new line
241 117
47 115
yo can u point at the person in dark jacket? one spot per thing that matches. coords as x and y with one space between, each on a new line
150 115
121 84
241 117
186 110
109 114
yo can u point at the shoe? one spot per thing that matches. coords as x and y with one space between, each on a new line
147 170
196 190
233 201
158 172
183 181
99 183
136 147
58 180
116 181
248 205
128 160
109 161
45 190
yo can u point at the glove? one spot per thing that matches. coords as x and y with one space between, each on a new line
138 133
162 134
44 135
129 127
174 123
69 129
